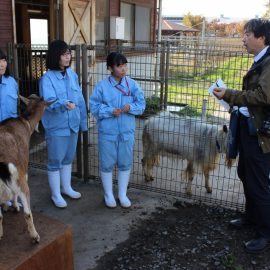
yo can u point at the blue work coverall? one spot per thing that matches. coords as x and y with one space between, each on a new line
62 125
8 98
116 134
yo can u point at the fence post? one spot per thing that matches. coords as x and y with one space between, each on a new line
85 84
13 60
204 109
168 49
162 75
79 143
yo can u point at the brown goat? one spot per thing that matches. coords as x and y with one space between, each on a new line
15 136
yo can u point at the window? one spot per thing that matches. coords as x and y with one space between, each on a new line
101 13
127 11
137 22
39 31
142 23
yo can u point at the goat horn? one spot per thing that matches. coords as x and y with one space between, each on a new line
24 100
48 103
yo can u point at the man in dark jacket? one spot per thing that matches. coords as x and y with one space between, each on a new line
254 129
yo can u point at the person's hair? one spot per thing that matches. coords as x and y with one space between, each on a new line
260 28
4 56
56 49
115 59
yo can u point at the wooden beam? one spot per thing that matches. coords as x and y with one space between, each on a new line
75 34
77 19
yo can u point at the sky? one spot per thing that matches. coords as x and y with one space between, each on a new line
247 9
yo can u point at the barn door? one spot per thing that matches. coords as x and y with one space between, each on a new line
79 21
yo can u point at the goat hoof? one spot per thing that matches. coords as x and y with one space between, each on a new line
209 190
36 239
188 192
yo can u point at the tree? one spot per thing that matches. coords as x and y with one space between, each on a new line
194 21
266 15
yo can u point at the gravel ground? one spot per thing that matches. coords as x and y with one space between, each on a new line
191 237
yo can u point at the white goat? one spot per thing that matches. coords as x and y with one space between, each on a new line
15 136
187 138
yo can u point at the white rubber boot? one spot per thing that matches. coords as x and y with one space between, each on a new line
106 178
123 179
65 176
54 183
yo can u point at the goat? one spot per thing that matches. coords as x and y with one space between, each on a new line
187 138
15 136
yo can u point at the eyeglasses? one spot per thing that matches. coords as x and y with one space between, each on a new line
67 53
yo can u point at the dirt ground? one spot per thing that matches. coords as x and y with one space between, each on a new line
96 229
157 232
191 237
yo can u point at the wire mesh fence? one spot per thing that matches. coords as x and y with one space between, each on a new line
175 77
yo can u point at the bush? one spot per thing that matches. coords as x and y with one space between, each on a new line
152 105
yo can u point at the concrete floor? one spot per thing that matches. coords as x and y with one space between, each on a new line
96 229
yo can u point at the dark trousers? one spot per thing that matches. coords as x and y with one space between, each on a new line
253 170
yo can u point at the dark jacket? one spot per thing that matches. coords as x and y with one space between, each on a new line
255 95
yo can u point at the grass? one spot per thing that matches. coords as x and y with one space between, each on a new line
229 261
193 91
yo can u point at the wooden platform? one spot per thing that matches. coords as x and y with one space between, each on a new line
53 252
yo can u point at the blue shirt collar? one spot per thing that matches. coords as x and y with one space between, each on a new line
122 82
59 75
4 79
260 54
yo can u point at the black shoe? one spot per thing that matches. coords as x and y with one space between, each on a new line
238 223
257 245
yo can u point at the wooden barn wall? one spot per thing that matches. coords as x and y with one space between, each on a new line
6 24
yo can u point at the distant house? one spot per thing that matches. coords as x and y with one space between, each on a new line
170 29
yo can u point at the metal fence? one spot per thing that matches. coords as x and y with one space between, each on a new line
175 77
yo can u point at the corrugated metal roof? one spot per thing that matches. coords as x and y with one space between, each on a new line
172 26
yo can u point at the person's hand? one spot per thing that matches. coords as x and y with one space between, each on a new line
71 106
126 108
219 92
116 112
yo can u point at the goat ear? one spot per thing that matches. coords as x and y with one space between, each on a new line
24 100
225 128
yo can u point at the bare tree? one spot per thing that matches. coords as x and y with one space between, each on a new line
266 15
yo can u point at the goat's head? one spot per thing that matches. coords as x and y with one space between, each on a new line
34 104
35 107
222 139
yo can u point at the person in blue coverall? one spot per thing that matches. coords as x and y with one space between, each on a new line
62 120
8 91
8 94
114 103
